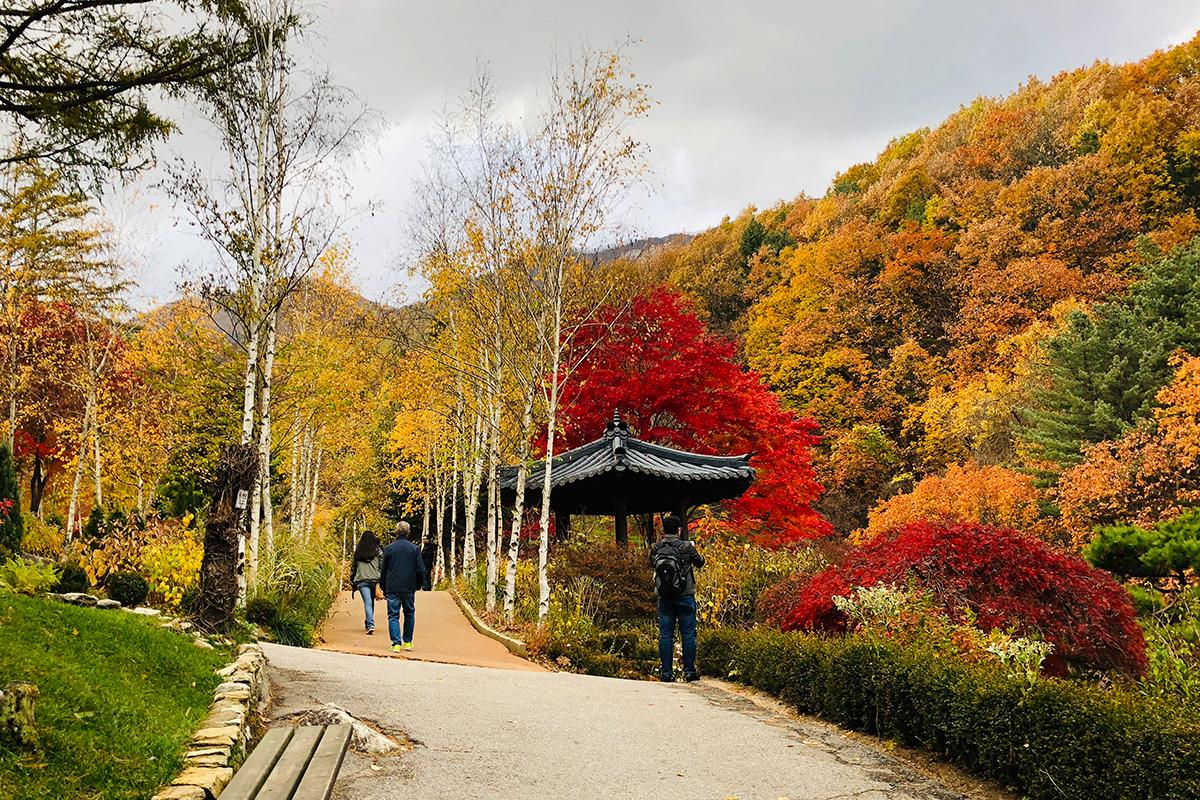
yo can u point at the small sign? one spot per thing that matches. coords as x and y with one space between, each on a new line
243 498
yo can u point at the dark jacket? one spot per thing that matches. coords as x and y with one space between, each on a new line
687 553
403 569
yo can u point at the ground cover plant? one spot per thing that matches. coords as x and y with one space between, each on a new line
119 698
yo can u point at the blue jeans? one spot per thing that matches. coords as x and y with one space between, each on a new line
680 610
407 601
366 590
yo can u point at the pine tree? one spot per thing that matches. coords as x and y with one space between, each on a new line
1100 374
11 524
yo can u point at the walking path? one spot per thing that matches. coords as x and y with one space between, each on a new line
501 734
442 634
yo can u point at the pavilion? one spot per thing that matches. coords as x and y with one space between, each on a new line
619 474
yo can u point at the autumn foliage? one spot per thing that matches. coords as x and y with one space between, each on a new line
1005 579
984 494
1149 474
677 384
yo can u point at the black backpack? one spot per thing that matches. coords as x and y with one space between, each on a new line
668 571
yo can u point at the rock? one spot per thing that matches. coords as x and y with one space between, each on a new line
241 676
108 603
211 760
249 648
207 751
224 736
224 718
363 738
202 643
146 612
211 779
235 694
181 793
80 599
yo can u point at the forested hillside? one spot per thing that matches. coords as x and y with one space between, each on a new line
992 294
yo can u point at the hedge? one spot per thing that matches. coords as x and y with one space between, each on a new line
1054 740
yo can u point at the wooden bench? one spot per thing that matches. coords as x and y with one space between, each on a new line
292 764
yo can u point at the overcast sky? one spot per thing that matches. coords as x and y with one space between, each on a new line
756 101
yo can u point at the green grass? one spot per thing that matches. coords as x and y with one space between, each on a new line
120 696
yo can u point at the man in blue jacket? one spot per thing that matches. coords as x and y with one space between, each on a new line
401 575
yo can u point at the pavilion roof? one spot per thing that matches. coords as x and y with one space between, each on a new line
648 476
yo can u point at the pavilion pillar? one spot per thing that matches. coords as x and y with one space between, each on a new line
622 524
681 510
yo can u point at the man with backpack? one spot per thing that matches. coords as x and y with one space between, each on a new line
673 560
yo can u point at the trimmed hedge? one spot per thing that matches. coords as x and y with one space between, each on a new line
1055 740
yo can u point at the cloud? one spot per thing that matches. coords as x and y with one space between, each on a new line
757 102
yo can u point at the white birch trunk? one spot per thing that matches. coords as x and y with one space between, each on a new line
312 500
514 539
493 537
261 501
80 460
96 473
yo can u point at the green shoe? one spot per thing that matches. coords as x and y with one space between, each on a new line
408 645
396 648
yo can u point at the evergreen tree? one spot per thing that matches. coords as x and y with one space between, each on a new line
1101 373
1168 550
11 524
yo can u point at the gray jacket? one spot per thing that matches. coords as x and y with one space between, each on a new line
367 571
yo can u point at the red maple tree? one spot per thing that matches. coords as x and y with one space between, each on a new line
678 384
1007 579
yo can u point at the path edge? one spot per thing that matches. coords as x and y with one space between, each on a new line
515 646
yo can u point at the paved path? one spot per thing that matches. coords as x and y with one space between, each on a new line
498 734
442 634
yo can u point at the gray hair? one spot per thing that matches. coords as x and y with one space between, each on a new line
403 529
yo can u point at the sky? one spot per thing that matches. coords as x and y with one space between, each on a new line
755 102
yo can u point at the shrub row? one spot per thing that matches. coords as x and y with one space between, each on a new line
1055 739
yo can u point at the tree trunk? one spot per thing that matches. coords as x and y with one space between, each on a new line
261 502
312 499
294 477
471 494
96 448
37 486
17 725
493 537
514 539
73 506
225 526
551 415
249 385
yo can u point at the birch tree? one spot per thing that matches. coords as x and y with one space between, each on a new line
273 213
578 168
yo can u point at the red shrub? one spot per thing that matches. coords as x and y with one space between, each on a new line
1007 579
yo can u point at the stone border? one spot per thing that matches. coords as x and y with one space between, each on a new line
227 730
515 646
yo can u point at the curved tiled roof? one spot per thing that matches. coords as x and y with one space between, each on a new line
617 451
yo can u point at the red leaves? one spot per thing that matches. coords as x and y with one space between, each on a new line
1007 579
677 384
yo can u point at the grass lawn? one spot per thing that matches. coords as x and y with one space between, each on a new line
119 698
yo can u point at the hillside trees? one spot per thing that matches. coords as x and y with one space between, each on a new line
903 309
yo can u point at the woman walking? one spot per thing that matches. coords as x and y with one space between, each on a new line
364 576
